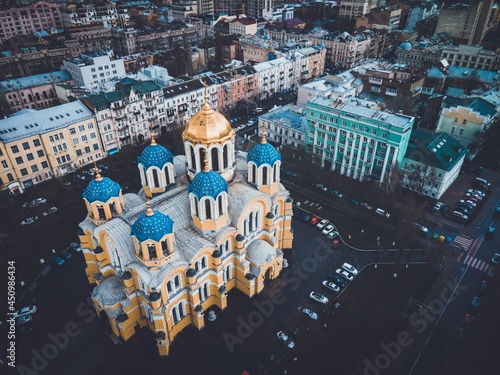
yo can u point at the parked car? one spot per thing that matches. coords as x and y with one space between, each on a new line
29 220
28 310
339 280
468 202
382 212
459 215
483 288
474 197
349 268
57 260
318 297
322 223
474 305
477 192
51 210
463 210
344 274
336 242
367 206
490 274
496 259
23 319
328 229
314 220
332 235
283 337
354 201
40 200
306 217
309 313
467 321
75 246
330 285
102 166
66 254
438 206
491 231
445 209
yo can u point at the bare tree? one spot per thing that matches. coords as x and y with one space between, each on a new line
418 176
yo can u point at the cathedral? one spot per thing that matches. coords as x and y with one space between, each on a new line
204 223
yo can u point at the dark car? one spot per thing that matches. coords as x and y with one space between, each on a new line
490 274
466 321
483 288
445 209
337 279
306 217
464 210
474 305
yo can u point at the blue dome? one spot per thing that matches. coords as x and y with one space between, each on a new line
263 153
207 184
155 155
101 189
405 45
152 227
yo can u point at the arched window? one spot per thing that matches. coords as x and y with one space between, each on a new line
10 177
219 201
193 158
250 221
208 209
151 251
156 181
30 97
265 170
37 96
164 246
101 213
225 156
178 312
45 96
204 292
215 159
202 157
254 173
228 273
196 212
275 170
167 175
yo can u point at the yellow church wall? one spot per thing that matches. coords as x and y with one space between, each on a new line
177 328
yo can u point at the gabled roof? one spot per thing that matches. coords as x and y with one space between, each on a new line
439 151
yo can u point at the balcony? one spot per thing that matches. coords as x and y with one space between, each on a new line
375 81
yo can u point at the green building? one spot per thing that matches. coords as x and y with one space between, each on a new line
355 137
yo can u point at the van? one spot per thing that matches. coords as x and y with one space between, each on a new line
382 212
482 181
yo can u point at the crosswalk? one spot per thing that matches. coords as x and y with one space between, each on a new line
464 242
317 205
478 264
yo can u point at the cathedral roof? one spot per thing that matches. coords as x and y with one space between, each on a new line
101 189
155 155
152 225
263 152
207 125
260 252
207 184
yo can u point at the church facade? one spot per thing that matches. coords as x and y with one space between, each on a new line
204 223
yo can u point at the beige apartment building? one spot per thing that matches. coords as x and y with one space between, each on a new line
38 145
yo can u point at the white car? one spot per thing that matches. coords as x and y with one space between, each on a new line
422 228
333 234
331 286
40 200
328 229
309 313
318 297
29 220
283 337
51 210
438 206
382 212
468 202
322 223
349 268
344 274
25 311
475 191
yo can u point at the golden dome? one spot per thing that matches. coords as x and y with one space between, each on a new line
207 125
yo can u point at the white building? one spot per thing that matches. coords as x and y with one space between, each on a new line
285 126
340 86
92 70
260 9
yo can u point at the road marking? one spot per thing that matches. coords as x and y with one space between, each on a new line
464 242
478 264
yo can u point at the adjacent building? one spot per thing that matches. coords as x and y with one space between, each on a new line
129 113
465 118
285 126
204 223
39 145
431 163
471 56
91 70
358 141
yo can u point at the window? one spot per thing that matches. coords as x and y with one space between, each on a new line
36 142
452 130
95 146
92 135
45 164
464 122
14 149
78 152
26 146
461 131
19 160
75 141
84 138
72 131
34 168
24 171
456 120
4 164
30 156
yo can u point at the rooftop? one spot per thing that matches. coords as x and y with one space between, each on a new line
43 121
35 80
